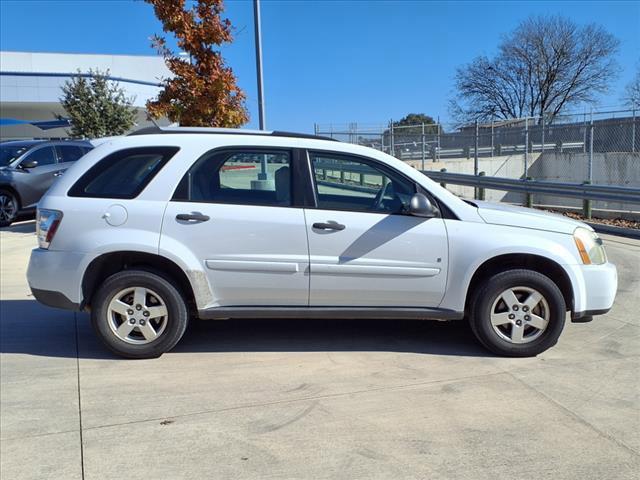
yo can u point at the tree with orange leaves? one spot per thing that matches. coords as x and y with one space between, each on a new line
203 90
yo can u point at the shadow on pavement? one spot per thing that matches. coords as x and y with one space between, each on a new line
27 327
22 227
301 335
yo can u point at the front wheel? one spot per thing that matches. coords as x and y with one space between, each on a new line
8 208
518 313
139 314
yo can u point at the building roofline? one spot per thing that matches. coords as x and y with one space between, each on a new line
78 74
85 54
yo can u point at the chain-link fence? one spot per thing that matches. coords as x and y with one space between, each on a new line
599 147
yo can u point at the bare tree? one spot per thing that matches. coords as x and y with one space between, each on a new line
632 91
544 66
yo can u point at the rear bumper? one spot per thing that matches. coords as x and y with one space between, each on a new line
55 278
54 299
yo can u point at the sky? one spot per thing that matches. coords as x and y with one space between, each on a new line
327 62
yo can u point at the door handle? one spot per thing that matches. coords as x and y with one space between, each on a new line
59 173
196 217
329 226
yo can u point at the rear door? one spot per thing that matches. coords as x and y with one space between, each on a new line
67 155
364 250
235 210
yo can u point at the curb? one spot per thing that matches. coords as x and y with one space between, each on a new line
620 231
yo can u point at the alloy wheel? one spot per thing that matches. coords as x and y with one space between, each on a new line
137 315
520 315
8 207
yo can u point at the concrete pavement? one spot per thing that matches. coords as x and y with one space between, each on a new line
315 399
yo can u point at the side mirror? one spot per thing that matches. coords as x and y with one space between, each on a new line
421 206
29 164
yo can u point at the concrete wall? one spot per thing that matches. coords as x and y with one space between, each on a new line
507 166
618 169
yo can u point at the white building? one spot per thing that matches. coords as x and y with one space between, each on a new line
30 85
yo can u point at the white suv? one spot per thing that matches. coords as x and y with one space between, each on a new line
148 230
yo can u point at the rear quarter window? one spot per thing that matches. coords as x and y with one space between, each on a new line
122 174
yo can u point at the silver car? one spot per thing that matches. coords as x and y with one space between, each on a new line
28 168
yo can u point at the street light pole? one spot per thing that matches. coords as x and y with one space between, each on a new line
258 40
264 182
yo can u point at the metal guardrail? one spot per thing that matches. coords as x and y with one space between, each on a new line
360 185
574 190
349 186
342 167
411 151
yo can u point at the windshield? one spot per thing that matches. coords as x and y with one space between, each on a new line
8 153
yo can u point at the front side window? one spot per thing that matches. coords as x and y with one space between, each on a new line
122 174
44 156
239 177
349 183
10 153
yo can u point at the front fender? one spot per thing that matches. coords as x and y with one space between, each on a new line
471 245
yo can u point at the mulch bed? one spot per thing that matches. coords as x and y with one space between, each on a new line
615 222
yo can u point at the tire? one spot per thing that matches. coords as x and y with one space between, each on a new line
128 331
9 207
519 329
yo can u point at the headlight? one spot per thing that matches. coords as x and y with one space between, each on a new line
589 246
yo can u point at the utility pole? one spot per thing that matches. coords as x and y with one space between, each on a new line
258 40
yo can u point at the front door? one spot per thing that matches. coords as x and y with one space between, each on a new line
234 211
364 250
37 180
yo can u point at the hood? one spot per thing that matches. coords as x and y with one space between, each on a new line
510 215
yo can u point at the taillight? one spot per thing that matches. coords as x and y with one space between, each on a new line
47 224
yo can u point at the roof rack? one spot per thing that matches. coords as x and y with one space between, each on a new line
154 130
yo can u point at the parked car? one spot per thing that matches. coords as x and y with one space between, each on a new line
27 170
149 230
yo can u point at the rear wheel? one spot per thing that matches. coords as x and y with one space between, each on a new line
9 207
139 314
518 313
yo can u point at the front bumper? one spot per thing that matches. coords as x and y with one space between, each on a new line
597 291
55 278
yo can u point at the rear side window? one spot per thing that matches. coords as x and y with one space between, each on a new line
239 177
122 174
69 153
